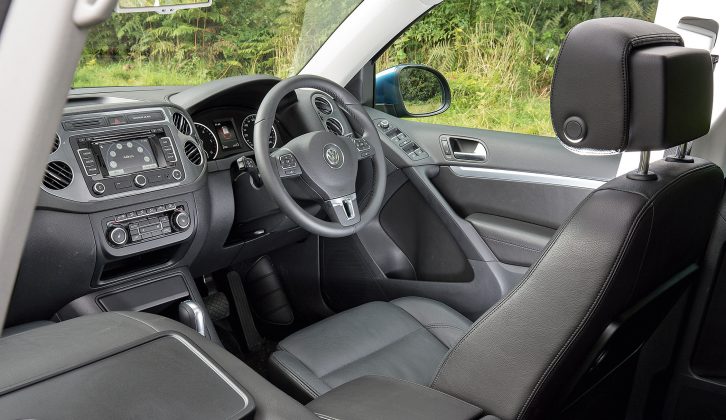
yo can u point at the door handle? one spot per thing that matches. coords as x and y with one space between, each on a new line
480 156
466 148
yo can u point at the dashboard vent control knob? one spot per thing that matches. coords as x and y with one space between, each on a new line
117 235
140 181
181 220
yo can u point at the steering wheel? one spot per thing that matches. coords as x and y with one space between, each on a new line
326 162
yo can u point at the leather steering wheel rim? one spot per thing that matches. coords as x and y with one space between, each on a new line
270 169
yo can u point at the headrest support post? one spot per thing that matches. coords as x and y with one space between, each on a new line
681 155
642 173
644 162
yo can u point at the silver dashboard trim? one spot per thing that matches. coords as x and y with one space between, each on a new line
529 177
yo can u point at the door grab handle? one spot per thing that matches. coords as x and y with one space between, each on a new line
463 148
481 156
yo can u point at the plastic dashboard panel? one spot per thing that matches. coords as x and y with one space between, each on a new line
78 191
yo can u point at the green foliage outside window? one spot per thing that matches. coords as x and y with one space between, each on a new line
497 55
232 37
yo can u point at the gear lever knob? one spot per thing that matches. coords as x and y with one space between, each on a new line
191 315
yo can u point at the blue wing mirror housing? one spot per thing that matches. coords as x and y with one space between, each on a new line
412 90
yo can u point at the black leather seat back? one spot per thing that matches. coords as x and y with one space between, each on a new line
625 239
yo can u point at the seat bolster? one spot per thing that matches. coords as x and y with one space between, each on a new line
444 323
294 377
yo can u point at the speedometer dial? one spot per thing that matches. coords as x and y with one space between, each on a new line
209 140
248 129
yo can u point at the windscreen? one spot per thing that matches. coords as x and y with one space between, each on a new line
188 47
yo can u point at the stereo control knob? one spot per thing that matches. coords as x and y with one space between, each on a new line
140 181
176 174
117 235
99 188
181 220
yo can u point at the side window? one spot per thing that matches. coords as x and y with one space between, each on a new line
498 56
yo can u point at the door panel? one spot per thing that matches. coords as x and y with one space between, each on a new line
538 203
463 218
511 241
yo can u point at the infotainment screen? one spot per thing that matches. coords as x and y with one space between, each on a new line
127 156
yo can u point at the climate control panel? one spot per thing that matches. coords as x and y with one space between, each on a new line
147 224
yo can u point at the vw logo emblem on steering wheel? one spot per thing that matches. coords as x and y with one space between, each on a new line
333 155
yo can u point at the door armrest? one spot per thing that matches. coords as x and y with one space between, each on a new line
378 397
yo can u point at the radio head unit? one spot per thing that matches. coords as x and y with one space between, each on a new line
123 157
123 160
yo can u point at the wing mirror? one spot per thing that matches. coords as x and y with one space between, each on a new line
412 90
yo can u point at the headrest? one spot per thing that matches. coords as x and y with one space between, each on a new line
627 85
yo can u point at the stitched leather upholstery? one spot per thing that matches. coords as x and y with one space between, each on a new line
635 71
405 339
623 241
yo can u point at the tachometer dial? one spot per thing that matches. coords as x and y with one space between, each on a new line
248 129
209 140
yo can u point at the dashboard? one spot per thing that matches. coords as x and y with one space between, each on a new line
144 182
230 130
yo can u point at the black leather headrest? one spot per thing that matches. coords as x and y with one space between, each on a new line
627 85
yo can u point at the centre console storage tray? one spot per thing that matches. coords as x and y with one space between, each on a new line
164 376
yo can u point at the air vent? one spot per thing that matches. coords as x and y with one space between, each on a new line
58 175
192 152
56 143
323 105
334 126
84 124
182 123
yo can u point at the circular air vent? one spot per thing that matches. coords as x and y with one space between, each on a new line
193 153
182 123
334 126
58 175
323 105
56 143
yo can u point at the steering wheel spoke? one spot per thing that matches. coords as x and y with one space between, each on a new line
343 210
326 162
361 147
287 164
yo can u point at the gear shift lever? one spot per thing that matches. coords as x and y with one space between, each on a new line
191 315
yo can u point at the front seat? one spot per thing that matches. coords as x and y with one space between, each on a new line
619 85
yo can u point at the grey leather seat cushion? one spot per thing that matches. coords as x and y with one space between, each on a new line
404 339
